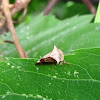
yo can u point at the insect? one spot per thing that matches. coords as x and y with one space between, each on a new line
56 56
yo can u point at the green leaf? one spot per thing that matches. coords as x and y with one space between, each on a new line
69 9
38 37
1 41
97 19
21 79
1 55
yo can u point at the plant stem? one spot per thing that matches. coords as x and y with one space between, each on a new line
7 13
50 6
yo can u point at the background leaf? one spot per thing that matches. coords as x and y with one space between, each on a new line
64 10
38 37
1 55
97 19
1 41
20 78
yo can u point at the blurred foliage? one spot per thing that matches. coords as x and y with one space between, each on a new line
66 10
97 19
37 6
62 10
1 41
38 36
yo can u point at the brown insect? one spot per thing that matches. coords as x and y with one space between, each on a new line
56 56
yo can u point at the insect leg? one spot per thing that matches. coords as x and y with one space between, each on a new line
66 63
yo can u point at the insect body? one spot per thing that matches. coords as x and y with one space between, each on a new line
56 56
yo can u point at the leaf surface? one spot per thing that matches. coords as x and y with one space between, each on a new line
97 18
38 37
21 79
